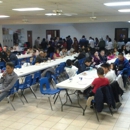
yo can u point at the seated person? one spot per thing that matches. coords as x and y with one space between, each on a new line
109 74
110 56
63 52
70 52
12 57
35 52
29 51
56 55
102 56
81 55
116 52
45 58
88 65
123 66
70 69
3 55
39 58
7 80
113 67
96 58
98 82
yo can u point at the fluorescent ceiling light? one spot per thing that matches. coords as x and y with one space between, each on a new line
4 16
28 9
128 21
1 1
50 14
124 10
118 3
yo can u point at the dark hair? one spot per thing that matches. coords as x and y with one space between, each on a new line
114 68
100 71
120 53
38 37
8 51
10 64
88 60
122 47
80 50
106 65
69 62
56 50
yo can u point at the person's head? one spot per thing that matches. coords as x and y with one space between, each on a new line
63 49
96 53
88 61
83 36
83 47
57 51
11 48
9 67
106 67
41 53
69 63
110 53
102 53
112 66
8 52
121 56
44 53
100 72
38 38
109 39
123 47
4 49
115 49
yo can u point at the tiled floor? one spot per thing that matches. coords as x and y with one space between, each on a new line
29 117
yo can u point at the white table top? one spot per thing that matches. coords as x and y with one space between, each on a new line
24 56
76 83
34 68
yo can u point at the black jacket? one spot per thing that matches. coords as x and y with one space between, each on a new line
3 56
116 90
81 56
103 95
13 57
103 58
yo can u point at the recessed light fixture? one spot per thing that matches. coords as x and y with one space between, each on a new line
4 16
124 10
50 14
28 9
128 21
1 1
118 3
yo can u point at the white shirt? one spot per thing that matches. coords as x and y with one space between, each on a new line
128 46
63 53
71 71
111 76
109 45
91 42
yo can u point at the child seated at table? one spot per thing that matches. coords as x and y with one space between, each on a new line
110 56
97 83
70 69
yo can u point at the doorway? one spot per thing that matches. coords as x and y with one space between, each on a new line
119 32
52 34
29 37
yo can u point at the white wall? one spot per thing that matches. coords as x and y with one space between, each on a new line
75 30
88 29
34 28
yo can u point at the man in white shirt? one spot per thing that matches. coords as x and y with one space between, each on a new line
63 52
109 74
91 42
70 69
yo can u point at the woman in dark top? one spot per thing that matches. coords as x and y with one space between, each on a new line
123 50
96 58
75 44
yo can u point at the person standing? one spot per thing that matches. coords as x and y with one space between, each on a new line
75 44
37 42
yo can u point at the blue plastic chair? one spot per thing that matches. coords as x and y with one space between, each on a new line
33 60
58 72
37 76
3 69
18 66
2 64
61 89
51 55
13 91
25 85
28 60
47 90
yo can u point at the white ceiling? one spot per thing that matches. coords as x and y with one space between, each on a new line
84 9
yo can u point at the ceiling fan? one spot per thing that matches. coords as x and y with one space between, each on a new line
93 17
59 12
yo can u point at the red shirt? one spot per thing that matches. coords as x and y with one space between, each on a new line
99 82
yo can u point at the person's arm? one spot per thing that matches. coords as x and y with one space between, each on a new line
10 85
